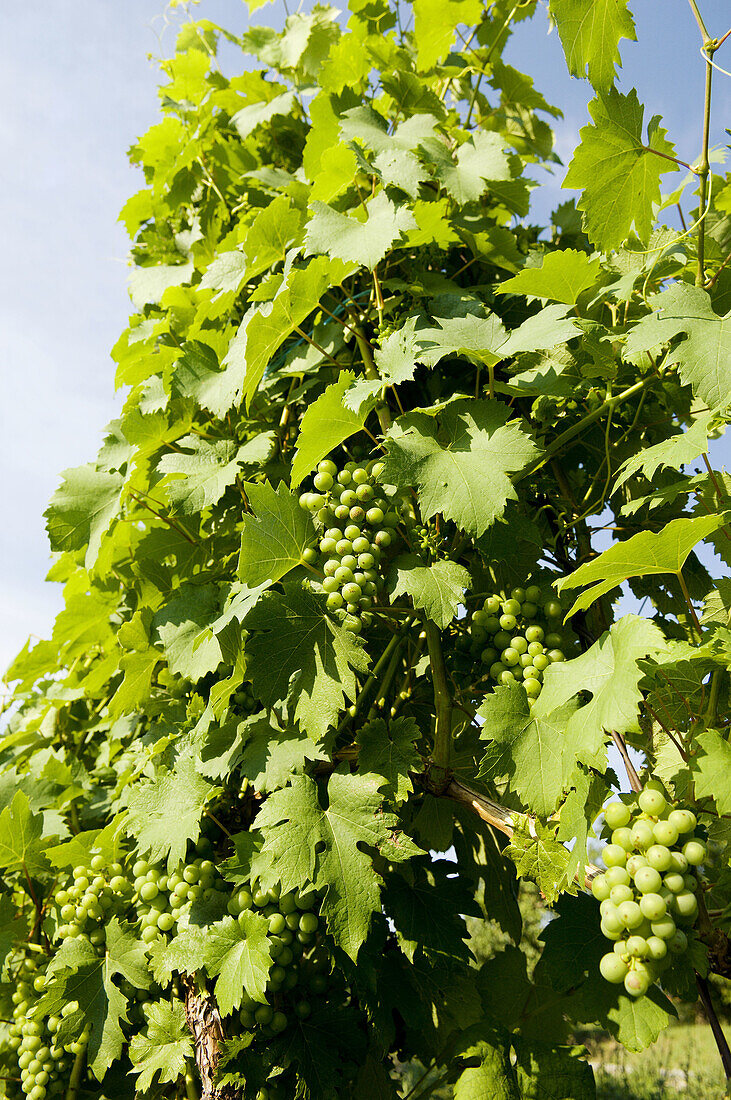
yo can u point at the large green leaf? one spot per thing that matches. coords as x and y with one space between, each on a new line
618 171
590 32
165 1045
459 461
645 554
296 651
712 770
306 842
562 277
362 240
326 423
21 845
82 509
275 536
437 589
704 355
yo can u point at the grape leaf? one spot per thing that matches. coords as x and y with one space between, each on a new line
480 161
163 1047
80 974
270 757
81 510
274 537
459 461
292 636
590 31
532 750
22 847
238 952
389 752
396 358
646 553
306 842
492 1077
13 928
183 628
255 114
562 277
703 355
435 22
673 452
326 423
427 906
537 855
712 770
164 812
204 472
356 240
608 670
618 172
553 1073
437 589
265 329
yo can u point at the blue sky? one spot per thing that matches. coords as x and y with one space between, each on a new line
77 89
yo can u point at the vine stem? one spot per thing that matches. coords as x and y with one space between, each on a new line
72 1091
704 167
382 409
442 697
718 1035
634 779
686 595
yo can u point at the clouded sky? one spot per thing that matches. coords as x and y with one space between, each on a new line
77 89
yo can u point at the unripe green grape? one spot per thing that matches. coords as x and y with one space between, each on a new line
541 662
508 623
501 639
507 677
635 862
348 498
488 656
555 656
678 943
344 477
665 833
533 593
614 855
364 493
617 876
309 923
665 928
691 883
653 906
679 862
491 605
637 947
352 624
342 512
263 1014
695 852
648 880
529 610
510 657
552 609
497 669
630 914
620 894
637 983
323 481
674 882
382 538
533 688
622 837
526 661
519 644
327 466
309 555
302 1009
642 835
352 592
480 618
511 607
658 856
684 820
534 634
686 906
651 802
279 1022
518 594
361 545
330 584
343 547
343 574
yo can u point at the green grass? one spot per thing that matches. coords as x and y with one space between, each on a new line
686 1047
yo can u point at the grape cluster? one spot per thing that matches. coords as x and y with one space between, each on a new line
244 700
648 892
43 1063
358 524
522 637
162 900
299 959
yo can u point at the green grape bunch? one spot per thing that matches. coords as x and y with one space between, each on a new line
358 524
648 894
517 637
44 1060
299 958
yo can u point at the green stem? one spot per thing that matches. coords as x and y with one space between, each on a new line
689 602
704 167
442 697
380 667
191 1088
699 21
585 421
712 708
382 409
72 1091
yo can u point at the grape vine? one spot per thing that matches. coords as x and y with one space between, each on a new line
342 660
